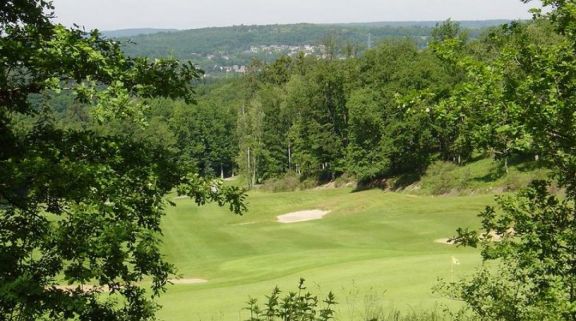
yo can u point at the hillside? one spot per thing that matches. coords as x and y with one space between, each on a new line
220 49
133 32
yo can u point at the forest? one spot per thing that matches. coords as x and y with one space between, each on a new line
389 112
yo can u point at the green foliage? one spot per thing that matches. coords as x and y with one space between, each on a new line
82 190
448 30
530 100
440 179
81 205
287 183
294 306
372 116
480 175
535 243
232 45
227 46
385 113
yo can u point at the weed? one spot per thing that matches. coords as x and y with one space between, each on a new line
294 306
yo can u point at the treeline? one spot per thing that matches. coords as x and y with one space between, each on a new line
231 45
389 112
183 44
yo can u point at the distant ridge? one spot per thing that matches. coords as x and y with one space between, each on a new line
471 24
121 33
231 49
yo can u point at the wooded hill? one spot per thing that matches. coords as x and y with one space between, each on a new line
132 32
239 45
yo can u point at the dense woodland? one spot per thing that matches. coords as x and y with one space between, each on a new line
389 112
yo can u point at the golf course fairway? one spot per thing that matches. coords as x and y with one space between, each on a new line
373 249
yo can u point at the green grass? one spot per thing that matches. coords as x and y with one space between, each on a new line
483 175
372 242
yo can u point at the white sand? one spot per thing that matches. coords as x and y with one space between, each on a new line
445 241
301 216
89 287
492 237
83 288
188 281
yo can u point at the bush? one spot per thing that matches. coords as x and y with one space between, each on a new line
287 183
294 306
535 277
440 178
343 180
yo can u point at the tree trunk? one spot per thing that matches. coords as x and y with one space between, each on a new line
249 171
289 157
254 171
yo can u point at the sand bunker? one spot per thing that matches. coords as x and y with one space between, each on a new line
82 288
301 216
444 241
188 281
90 288
492 237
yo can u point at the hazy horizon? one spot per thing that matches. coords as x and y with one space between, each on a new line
314 23
180 14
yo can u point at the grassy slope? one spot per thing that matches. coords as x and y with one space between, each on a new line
481 176
372 242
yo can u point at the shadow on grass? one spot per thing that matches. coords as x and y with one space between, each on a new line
495 173
365 185
530 166
393 184
406 180
521 163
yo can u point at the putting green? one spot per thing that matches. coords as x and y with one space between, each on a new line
375 250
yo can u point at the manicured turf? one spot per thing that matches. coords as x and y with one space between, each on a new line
374 246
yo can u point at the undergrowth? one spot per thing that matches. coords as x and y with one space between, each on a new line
481 176
302 305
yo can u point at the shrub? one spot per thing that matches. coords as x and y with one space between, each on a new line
287 183
535 278
294 306
440 179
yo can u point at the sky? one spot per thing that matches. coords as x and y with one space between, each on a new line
188 14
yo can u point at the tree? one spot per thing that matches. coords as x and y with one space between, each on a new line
448 30
388 137
532 238
250 128
76 206
364 155
536 230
